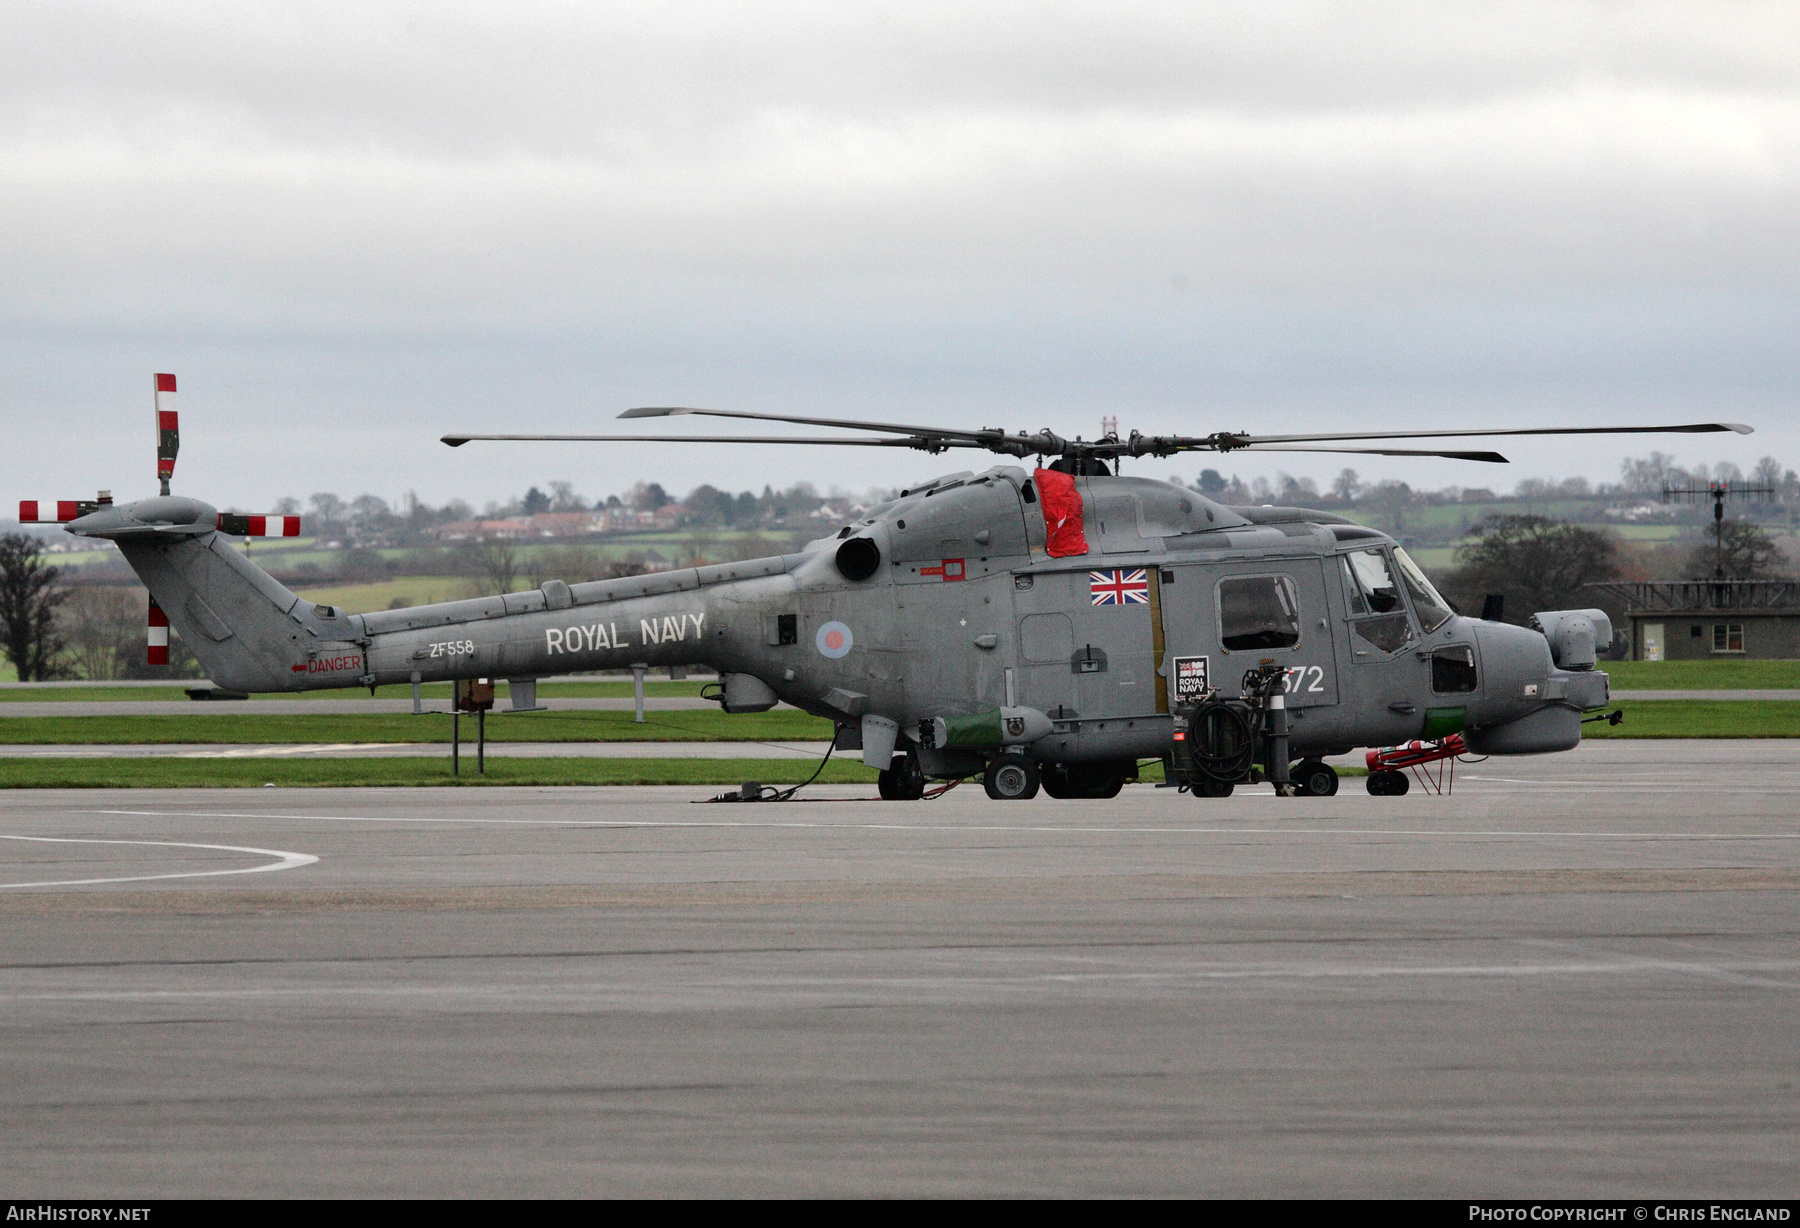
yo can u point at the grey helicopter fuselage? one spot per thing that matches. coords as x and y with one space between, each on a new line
948 603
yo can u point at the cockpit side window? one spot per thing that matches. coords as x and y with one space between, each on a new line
1377 614
1372 587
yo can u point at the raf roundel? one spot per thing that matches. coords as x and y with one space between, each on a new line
834 640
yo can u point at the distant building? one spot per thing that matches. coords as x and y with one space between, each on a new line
1696 620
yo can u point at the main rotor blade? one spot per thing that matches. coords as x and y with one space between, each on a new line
898 428
457 441
1492 458
1689 428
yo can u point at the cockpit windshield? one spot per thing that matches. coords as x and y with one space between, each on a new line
1431 608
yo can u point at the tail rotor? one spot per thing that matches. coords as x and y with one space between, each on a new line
168 430
166 518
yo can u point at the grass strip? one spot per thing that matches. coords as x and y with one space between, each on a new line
1703 675
175 773
1702 718
211 726
1647 718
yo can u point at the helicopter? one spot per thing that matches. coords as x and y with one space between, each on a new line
1046 628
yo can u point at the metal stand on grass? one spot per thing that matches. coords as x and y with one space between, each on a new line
472 695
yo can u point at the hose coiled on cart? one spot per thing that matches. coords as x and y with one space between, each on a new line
1222 742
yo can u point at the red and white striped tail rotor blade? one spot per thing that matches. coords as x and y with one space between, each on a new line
54 511
168 430
158 653
238 525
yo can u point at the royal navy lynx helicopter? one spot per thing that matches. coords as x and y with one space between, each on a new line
1049 627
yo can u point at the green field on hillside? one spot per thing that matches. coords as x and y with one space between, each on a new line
382 595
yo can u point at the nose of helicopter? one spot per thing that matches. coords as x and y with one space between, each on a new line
1531 706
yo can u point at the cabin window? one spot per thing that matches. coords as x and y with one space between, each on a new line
1728 637
1258 612
787 628
1453 670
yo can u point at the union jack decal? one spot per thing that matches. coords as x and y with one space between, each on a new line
1119 587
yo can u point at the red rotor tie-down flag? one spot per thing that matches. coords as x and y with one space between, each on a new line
1063 536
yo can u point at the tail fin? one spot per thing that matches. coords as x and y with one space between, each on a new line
248 630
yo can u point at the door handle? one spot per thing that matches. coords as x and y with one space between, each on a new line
1404 709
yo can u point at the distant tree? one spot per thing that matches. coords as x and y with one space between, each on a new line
1767 473
1743 550
1297 490
710 505
28 605
535 502
564 499
497 565
746 512
1212 483
1646 477
1537 562
648 497
1346 487
327 509
288 506
103 629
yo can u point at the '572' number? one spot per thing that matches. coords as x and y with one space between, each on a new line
1308 678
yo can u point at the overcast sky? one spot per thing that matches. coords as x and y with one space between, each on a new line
349 228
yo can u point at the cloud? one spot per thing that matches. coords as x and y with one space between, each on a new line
1002 209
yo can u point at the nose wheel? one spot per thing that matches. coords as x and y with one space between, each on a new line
1011 778
1314 779
902 781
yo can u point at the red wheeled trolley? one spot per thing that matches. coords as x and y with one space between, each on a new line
1388 766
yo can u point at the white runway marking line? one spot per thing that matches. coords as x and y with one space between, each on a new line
955 828
952 979
260 752
287 861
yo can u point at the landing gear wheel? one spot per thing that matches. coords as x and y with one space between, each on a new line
903 782
1211 788
1388 784
1011 778
1315 779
